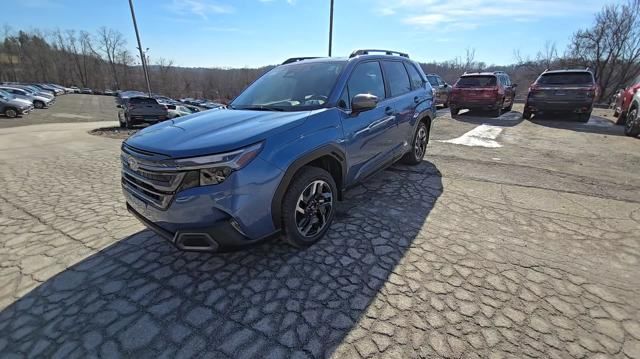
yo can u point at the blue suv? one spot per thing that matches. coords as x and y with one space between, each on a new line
278 159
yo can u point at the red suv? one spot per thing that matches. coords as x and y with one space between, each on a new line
624 100
492 91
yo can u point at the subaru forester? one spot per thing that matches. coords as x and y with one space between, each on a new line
278 159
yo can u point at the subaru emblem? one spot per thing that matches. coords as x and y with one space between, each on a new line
133 164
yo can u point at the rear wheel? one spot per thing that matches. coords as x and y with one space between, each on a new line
508 109
419 148
308 206
454 111
584 117
38 104
11 112
497 112
632 126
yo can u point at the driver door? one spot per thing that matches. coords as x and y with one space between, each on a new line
368 135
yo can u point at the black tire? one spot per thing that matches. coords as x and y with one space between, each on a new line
584 117
454 111
418 145
498 112
127 123
38 104
11 112
622 119
632 125
526 115
446 103
292 218
508 109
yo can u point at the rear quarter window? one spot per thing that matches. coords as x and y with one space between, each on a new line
569 78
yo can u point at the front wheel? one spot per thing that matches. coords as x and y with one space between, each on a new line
632 126
419 145
308 206
127 122
11 112
38 104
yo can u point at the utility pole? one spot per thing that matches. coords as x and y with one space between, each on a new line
142 56
330 27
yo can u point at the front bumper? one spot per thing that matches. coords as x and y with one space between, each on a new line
25 110
219 236
235 213
565 106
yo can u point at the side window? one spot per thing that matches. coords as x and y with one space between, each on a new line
397 78
440 82
416 80
507 80
366 78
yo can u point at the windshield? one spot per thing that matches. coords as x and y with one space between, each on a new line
5 95
294 87
477 81
567 78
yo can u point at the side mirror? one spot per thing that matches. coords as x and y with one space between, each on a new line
363 102
445 85
514 85
119 106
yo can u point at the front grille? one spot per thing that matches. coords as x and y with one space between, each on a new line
155 187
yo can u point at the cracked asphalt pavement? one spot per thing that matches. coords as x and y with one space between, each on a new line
527 250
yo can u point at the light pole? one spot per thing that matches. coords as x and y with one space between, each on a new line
142 57
330 27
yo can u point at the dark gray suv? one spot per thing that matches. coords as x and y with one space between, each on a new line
441 89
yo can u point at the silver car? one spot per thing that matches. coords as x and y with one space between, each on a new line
37 100
632 124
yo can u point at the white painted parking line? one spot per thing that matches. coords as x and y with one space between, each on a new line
481 136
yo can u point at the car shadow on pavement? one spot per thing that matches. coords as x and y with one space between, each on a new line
596 124
140 297
507 119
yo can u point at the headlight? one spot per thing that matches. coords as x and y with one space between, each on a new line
215 169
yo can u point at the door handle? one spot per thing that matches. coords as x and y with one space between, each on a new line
389 111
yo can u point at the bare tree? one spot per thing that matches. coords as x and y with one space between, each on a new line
111 44
611 47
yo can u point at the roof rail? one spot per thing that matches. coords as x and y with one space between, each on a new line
296 59
386 52
499 72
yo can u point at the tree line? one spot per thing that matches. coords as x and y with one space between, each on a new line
610 48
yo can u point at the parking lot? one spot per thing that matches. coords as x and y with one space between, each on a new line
512 239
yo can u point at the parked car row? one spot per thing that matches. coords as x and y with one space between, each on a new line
12 106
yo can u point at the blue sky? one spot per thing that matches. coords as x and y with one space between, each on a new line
241 33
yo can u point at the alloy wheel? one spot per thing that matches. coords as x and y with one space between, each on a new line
631 121
420 145
313 208
11 113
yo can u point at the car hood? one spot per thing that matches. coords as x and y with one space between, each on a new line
214 131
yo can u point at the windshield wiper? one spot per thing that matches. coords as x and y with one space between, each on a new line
259 108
